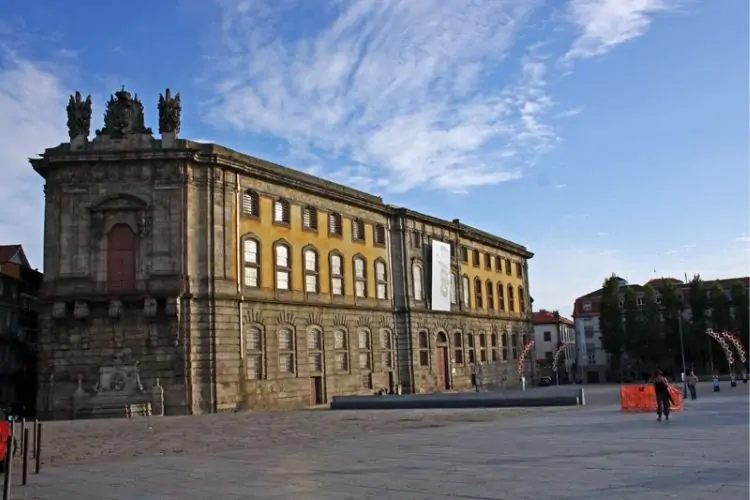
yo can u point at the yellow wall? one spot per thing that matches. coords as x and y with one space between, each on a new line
495 276
267 232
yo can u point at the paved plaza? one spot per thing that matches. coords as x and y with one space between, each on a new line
590 453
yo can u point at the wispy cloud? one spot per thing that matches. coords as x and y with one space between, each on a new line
561 186
407 92
744 238
569 113
605 24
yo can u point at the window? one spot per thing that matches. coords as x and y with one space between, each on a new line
251 262
478 294
514 345
470 348
250 203
386 349
488 261
547 336
587 306
424 349
500 297
310 256
454 299
511 301
381 279
588 332
358 230
286 351
365 351
458 349
283 267
498 264
639 301
337 274
519 270
310 218
334 224
416 239
464 254
281 211
254 353
475 258
341 350
504 340
465 290
521 300
379 234
416 274
490 296
482 348
360 277
658 299
508 270
493 346
315 350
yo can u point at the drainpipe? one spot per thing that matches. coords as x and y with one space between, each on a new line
407 307
238 252
392 296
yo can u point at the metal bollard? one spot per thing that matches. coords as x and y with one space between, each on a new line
38 451
22 434
33 435
8 466
25 463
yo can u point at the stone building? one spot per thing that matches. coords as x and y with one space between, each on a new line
19 286
220 281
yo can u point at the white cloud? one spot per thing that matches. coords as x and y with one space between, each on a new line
397 87
604 24
560 186
744 238
32 119
570 113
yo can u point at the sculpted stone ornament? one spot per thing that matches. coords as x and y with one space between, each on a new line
170 112
124 116
79 116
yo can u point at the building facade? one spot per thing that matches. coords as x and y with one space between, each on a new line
222 282
19 286
593 361
551 333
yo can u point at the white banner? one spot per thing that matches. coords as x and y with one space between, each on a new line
441 276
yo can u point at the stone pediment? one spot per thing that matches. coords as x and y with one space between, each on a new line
120 203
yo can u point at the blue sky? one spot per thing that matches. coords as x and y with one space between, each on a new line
606 135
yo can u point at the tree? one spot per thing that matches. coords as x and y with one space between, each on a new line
741 312
721 319
671 310
652 329
632 326
610 322
695 336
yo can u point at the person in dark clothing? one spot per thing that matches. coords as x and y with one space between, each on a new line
663 398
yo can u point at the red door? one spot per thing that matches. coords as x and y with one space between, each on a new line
121 251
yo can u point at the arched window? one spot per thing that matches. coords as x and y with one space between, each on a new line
478 294
514 345
337 274
334 224
286 351
418 279
521 301
511 301
381 279
424 349
250 203
490 296
254 353
500 297
283 265
341 350
365 350
504 341
458 348
470 348
251 262
386 349
121 258
315 350
281 211
453 290
465 291
312 270
482 348
310 218
493 346
360 277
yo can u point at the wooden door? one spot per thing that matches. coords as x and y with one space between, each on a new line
442 368
121 251
316 391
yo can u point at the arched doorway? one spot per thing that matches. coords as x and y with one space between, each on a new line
121 256
443 362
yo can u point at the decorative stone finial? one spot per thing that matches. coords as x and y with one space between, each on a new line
124 115
170 113
79 116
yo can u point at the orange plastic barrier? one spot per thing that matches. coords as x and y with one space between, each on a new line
643 398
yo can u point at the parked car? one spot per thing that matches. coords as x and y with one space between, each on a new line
4 435
545 381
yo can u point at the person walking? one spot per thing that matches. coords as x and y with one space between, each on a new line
692 383
663 398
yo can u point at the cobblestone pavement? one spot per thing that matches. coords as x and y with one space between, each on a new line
591 453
